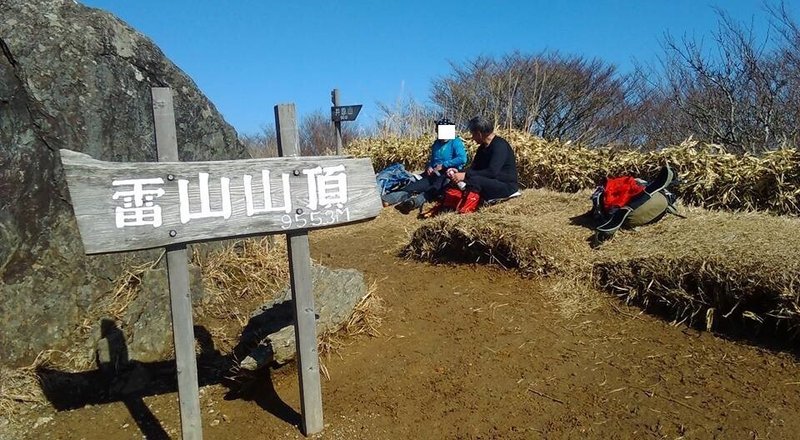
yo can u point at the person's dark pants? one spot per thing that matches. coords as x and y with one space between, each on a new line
490 188
429 186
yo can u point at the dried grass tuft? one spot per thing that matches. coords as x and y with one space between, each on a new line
241 275
20 388
532 234
713 269
126 288
367 317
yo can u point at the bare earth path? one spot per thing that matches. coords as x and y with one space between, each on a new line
471 352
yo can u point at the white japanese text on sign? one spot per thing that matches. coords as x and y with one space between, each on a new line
327 190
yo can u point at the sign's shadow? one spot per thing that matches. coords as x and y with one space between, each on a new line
120 379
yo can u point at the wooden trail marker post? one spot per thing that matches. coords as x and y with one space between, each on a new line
305 330
124 206
178 273
341 113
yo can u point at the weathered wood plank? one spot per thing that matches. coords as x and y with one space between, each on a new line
178 272
305 332
305 328
336 99
128 206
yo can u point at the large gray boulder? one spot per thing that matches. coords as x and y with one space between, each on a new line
78 78
270 330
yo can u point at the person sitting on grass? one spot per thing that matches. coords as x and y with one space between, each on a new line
447 151
493 171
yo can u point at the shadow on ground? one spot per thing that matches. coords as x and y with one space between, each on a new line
119 379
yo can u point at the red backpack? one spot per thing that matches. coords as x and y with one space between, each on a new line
469 202
452 197
619 191
455 200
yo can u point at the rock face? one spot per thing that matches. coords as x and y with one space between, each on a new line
78 78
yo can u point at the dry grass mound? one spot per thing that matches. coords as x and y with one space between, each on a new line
711 268
711 177
531 233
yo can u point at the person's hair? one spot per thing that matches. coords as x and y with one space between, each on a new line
480 124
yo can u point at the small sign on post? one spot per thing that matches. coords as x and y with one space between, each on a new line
341 113
122 206
345 112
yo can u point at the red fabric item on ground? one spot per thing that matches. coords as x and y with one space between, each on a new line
619 191
452 197
469 202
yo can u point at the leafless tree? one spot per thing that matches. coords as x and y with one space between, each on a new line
317 137
739 92
549 94
405 118
263 143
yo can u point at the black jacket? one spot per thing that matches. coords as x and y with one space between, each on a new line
495 161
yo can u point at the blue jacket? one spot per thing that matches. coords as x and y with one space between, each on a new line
448 154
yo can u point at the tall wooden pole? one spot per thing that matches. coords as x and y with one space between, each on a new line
178 272
335 98
305 330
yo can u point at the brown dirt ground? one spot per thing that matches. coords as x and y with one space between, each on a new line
473 352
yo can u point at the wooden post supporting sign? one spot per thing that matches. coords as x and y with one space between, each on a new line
178 273
305 330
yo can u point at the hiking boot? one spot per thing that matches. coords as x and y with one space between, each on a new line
410 204
616 220
395 197
662 180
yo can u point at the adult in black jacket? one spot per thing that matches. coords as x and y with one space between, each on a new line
493 172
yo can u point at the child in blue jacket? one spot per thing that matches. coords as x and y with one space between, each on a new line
447 151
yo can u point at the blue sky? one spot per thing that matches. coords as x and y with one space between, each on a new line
249 55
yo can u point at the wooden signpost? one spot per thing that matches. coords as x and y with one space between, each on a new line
130 206
341 113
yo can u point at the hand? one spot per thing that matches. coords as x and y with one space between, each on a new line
438 167
429 171
458 177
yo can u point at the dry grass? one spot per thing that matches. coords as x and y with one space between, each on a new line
711 178
20 388
240 276
712 268
367 315
709 269
110 306
532 233
126 289
538 234
245 274
573 296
